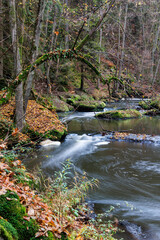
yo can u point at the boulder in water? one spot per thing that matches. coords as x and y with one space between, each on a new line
49 143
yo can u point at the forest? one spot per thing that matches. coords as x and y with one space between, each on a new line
78 76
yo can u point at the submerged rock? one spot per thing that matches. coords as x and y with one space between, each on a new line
130 137
133 230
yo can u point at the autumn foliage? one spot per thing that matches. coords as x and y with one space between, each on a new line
54 214
41 121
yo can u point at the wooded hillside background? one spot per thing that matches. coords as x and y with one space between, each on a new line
120 38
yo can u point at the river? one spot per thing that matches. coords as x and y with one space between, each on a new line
128 172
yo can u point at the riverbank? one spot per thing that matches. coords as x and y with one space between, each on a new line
37 208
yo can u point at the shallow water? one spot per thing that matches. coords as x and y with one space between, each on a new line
129 173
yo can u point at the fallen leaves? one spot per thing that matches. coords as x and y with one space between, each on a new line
35 207
42 120
38 118
15 132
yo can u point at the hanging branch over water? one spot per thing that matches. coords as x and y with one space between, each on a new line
55 55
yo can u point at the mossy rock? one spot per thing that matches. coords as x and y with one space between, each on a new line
10 232
85 97
12 210
84 106
152 112
52 135
71 101
76 97
145 105
61 106
120 114
4 234
155 103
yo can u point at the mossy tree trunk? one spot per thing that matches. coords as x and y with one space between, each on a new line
55 55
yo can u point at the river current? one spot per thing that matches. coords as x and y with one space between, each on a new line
128 172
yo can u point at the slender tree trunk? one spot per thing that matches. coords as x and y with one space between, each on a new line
143 53
17 65
47 18
35 51
99 60
153 53
82 77
1 39
156 72
123 41
66 27
50 49
119 42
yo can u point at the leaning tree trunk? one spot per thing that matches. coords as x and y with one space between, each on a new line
35 51
97 25
17 66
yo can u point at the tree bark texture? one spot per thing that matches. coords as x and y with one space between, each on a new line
123 42
17 65
37 34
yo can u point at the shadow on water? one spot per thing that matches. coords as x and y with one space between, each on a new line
129 173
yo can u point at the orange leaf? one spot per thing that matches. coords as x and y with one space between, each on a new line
57 33
26 218
15 131
39 234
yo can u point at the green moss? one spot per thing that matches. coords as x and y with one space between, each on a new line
50 237
12 210
76 97
90 106
71 101
145 105
155 103
101 105
4 234
54 134
152 112
9 228
120 114
82 107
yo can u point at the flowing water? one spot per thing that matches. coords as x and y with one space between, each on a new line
129 173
